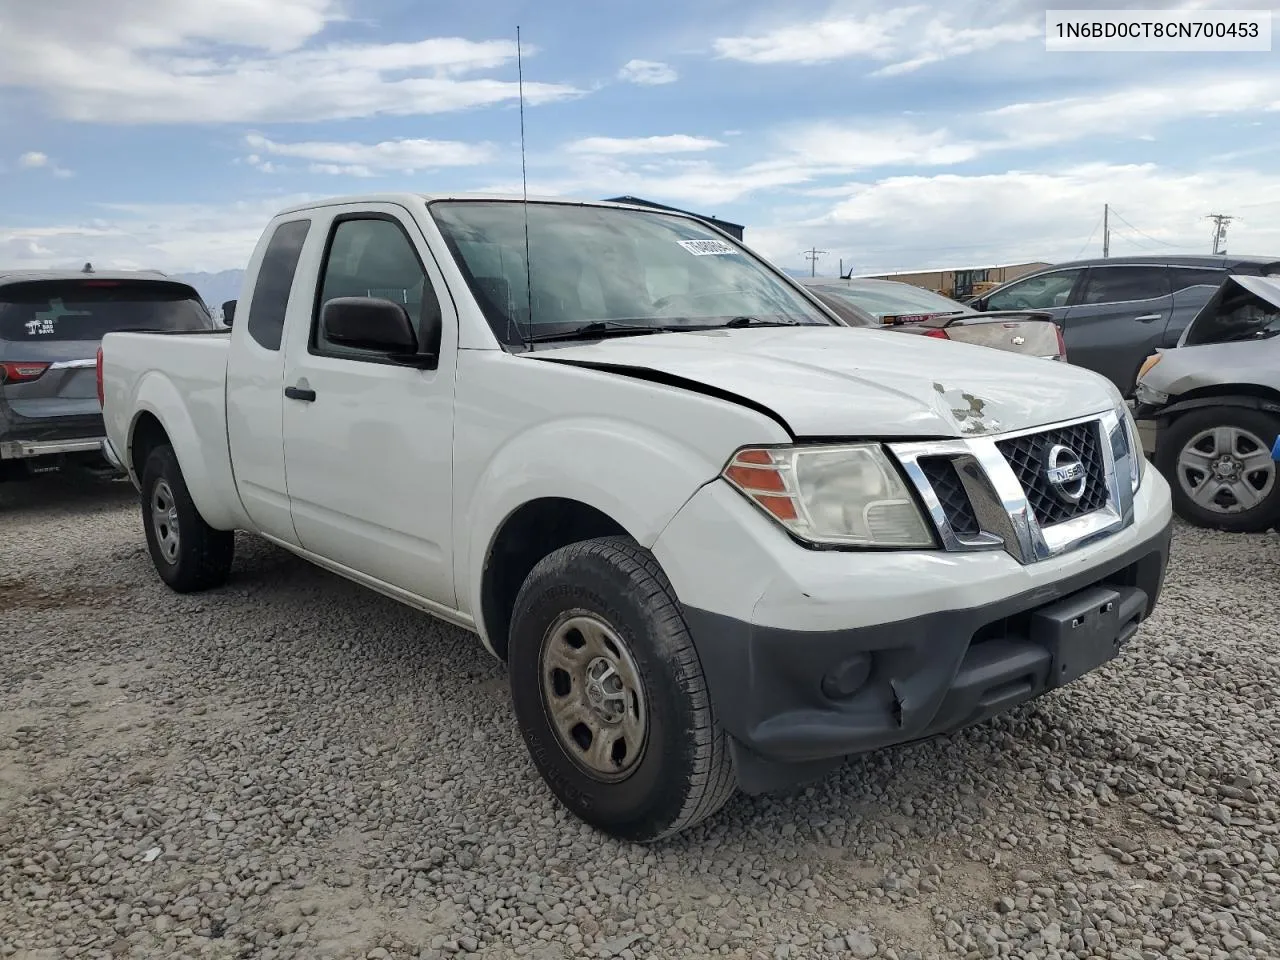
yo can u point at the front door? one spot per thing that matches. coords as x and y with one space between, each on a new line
368 443
1118 320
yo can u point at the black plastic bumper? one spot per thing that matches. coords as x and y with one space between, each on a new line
797 702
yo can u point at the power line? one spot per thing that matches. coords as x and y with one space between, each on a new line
1092 233
1139 244
1139 232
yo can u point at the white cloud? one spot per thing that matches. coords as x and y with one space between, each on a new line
370 159
648 73
1136 110
188 61
909 37
899 222
170 237
865 145
35 160
617 146
955 220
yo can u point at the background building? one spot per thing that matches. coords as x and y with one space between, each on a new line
962 282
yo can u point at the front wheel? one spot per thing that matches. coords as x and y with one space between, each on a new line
188 554
1218 461
610 696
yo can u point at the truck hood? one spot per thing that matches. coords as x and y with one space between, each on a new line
842 382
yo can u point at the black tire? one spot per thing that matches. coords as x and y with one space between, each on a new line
198 557
684 773
1183 431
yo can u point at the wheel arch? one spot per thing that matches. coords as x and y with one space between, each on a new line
1251 396
529 533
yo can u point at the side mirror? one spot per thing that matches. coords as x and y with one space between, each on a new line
978 303
228 312
368 323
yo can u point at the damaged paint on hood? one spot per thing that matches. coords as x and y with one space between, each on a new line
846 382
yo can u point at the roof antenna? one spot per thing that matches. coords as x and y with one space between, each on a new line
524 186
88 268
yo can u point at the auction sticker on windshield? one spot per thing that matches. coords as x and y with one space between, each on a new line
707 248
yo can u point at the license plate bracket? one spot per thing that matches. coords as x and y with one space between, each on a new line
1082 632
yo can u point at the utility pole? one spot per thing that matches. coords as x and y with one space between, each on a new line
1106 229
1220 221
812 256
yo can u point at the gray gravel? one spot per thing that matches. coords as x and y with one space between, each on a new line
294 767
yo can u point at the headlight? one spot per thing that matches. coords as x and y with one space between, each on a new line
1137 459
847 495
1147 364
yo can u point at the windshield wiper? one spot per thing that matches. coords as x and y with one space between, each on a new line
598 328
757 322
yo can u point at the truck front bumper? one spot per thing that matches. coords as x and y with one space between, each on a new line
923 654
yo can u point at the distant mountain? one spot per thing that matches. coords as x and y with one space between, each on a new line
215 288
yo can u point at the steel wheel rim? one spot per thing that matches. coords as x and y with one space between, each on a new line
164 521
1226 470
594 696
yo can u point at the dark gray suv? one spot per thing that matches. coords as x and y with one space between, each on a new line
51 325
1116 312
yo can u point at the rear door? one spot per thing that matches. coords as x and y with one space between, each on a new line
50 331
1118 319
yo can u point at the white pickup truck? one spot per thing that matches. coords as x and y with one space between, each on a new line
721 540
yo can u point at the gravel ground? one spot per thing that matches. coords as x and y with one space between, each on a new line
292 766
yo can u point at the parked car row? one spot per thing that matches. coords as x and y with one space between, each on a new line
1114 316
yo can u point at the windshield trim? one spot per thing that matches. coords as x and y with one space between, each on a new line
828 315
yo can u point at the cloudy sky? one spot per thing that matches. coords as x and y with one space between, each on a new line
936 134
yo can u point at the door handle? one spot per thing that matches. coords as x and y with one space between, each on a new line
299 393
1148 318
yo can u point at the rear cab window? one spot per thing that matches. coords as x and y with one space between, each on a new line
42 311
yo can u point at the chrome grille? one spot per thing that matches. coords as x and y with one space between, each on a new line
995 493
952 497
1027 456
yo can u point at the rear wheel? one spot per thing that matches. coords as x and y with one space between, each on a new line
188 554
1219 464
610 695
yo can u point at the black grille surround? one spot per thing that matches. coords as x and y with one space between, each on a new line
1026 457
942 476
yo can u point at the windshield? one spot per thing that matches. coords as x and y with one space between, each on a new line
611 265
1235 314
892 299
40 311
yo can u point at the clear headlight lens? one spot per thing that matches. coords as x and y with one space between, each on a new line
847 495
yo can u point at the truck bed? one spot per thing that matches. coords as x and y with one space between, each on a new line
184 375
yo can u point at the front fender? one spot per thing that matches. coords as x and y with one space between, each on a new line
202 453
637 476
